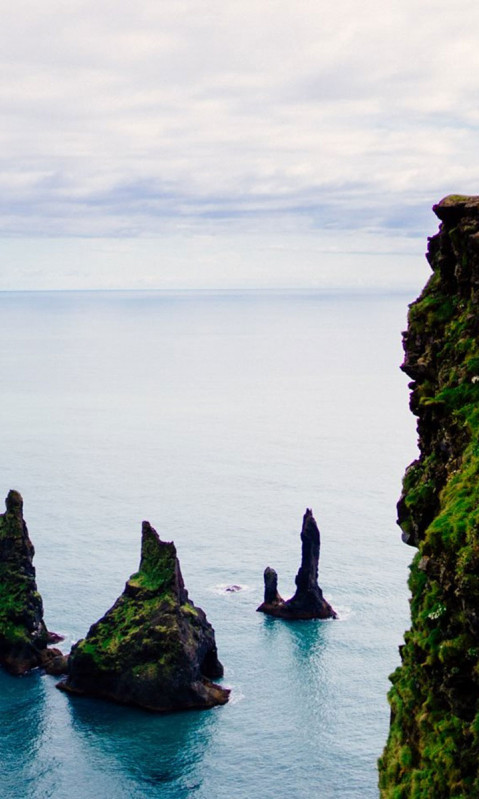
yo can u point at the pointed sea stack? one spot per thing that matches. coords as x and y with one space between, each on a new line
23 634
153 649
308 601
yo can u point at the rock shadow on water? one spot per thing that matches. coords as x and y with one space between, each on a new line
295 657
304 639
166 751
23 712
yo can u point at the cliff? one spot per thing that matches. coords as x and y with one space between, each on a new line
23 633
154 648
433 744
308 601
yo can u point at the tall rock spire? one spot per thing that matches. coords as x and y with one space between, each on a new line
308 601
153 648
23 633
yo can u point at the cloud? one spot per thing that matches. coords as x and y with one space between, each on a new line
119 120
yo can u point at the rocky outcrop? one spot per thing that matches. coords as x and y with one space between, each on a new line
23 634
154 648
433 744
308 601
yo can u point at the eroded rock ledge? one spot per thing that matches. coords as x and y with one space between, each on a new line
24 637
308 601
433 745
154 648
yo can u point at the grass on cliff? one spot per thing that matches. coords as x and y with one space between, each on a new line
157 570
133 630
433 746
17 595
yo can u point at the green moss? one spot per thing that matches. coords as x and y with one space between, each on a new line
157 570
130 631
453 199
190 609
433 744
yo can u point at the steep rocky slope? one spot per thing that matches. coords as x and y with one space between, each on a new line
23 634
433 746
154 648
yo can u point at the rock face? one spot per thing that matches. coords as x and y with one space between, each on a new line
153 648
433 745
23 634
308 601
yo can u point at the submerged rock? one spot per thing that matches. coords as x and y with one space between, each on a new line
23 633
154 648
308 601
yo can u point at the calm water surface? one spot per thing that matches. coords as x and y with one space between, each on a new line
219 418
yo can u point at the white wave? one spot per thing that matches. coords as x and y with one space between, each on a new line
229 588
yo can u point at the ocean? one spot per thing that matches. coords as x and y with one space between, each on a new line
219 417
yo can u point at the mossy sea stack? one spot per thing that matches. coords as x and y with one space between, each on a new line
23 634
153 648
433 745
308 601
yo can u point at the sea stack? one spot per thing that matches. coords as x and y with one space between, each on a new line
23 633
433 744
154 648
308 601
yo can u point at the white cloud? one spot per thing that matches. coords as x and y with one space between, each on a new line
124 120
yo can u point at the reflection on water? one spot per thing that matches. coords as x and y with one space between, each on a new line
60 747
299 647
307 638
219 419
155 750
22 705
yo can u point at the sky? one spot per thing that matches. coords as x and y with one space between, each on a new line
238 144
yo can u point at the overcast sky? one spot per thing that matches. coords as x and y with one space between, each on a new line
234 143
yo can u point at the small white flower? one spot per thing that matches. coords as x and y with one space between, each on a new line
475 379
436 614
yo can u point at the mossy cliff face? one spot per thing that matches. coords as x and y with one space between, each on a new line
23 635
153 648
433 745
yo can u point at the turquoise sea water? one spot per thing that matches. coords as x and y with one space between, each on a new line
219 417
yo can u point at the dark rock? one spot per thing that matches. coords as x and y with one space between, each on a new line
433 744
456 206
308 601
232 589
271 596
23 634
54 662
55 638
154 648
